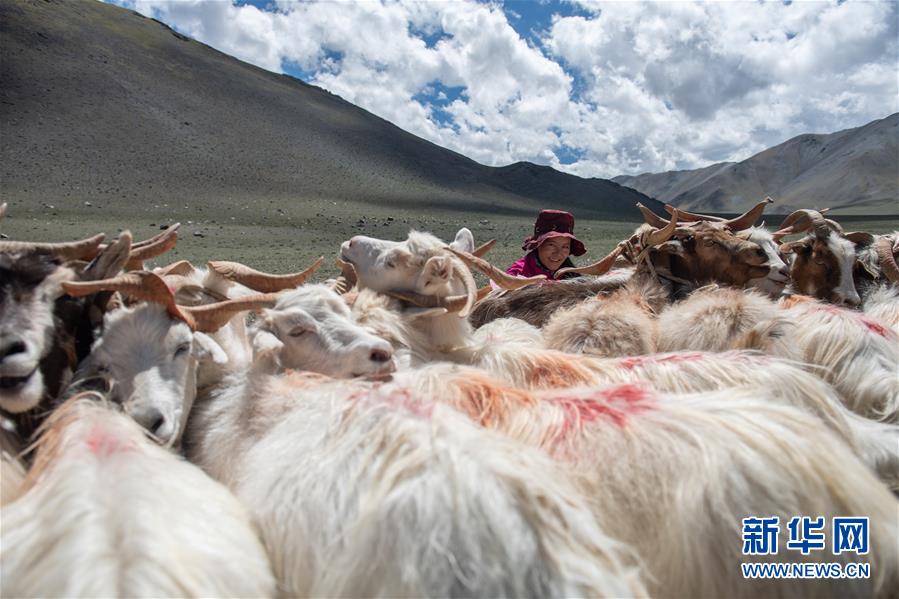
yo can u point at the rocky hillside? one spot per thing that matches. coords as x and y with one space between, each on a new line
855 171
100 105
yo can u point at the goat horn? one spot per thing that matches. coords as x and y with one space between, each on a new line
471 288
138 284
484 248
501 278
85 249
748 218
887 260
597 268
859 237
834 225
812 218
212 317
452 303
260 281
651 217
181 267
2 210
110 261
689 217
664 234
155 246
155 239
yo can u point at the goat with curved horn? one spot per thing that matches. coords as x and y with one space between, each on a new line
651 217
181 267
471 288
689 217
748 218
210 318
801 221
153 247
261 281
85 249
483 248
887 260
597 268
452 303
501 278
141 285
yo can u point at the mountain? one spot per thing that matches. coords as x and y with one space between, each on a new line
98 103
855 171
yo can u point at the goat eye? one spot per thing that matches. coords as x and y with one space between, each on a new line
390 265
298 331
182 349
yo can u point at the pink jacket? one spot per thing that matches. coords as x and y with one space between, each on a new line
529 266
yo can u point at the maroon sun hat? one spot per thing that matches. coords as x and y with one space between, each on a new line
554 223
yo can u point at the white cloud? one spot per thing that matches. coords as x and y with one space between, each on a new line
629 87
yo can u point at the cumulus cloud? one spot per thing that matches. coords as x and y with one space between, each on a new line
596 89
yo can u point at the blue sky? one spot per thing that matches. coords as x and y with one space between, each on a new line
596 89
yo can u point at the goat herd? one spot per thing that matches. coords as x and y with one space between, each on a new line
396 431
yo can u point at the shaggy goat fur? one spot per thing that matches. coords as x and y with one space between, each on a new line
688 372
535 304
619 324
363 491
856 354
882 304
110 514
682 471
716 318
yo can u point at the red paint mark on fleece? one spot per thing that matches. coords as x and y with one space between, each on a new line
872 325
637 361
103 443
403 398
616 403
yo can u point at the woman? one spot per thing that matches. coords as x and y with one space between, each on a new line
549 247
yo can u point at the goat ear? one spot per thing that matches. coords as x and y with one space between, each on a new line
439 267
266 352
464 241
398 256
208 349
110 261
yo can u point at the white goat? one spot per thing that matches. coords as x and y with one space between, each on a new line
315 331
530 367
151 351
716 318
359 491
421 265
683 470
882 304
858 355
109 514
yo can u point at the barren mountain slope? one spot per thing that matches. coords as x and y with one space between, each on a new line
100 104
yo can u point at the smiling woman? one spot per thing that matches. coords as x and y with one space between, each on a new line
549 247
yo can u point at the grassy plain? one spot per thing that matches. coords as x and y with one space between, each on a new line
286 238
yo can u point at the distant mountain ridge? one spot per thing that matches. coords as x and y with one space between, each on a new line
98 103
855 171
